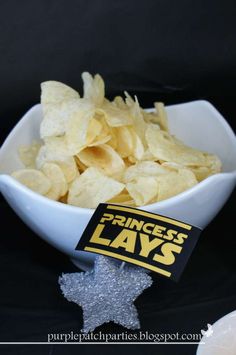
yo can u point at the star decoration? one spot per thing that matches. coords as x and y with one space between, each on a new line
106 293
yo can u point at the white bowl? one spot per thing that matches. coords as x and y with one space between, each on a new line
197 123
221 339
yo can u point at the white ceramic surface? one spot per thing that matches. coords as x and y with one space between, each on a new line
197 123
222 338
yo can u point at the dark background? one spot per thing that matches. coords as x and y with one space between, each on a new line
160 50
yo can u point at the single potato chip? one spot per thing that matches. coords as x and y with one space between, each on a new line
125 141
143 190
94 130
56 116
213 163
55 92
120 103
55 175
81 167
28 154
77 130
63 199
174 183
99 132
57 144
201 172
123 198
94 88
138 150
67 163
161 116
147 155
158 117
144 169
213 166
115 116
93 187
139 123
113 140
100 140
164 147
58 102
33 179
103 157
172 166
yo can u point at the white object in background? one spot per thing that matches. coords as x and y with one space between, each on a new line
222 338
197 123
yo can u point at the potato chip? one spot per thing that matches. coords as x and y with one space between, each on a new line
123 198
63 199
150 117
125 141
158 117
201 172
98 131
77 130
213 163
147 155
103 157
58 101
93 187
69 168
58 144
67 163
28 153
161 116
33 179
55 92
144 168
120 103
94 130
127 162
81 167
55 175
164 147
172 166
94 88
100 140
113 140
213 166
138 150
139 123
114 116
174 183
55 117
142 189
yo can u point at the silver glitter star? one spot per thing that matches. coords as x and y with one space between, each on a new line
107 293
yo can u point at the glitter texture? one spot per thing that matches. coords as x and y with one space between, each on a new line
107 293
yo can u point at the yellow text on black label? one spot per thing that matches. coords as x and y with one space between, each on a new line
152 241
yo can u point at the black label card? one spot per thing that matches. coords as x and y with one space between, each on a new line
146 239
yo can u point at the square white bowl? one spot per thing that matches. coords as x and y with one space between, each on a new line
197 123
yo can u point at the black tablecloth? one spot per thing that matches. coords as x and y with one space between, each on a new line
160 50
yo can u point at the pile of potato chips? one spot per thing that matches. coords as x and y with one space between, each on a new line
93 150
